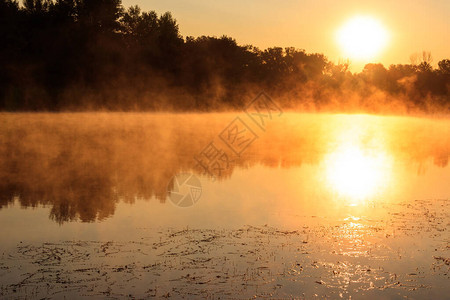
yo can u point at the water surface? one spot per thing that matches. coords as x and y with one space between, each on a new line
308 205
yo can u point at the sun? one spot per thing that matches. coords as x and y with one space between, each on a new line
362 38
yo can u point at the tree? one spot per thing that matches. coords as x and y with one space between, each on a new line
99 15
444 66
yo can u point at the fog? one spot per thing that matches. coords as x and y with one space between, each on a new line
82 164
100 56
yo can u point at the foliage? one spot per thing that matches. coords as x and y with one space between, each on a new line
95 54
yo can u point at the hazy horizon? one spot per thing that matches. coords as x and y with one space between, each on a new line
311 25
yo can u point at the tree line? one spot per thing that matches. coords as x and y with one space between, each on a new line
61 55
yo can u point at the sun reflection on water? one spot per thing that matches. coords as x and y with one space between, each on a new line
357 171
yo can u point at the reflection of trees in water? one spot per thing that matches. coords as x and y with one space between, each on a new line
83 164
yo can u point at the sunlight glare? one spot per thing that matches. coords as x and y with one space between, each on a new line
362 38
356 174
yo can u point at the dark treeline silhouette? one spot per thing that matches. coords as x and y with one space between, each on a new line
95 54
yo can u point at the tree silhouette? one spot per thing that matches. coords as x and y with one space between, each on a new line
95 54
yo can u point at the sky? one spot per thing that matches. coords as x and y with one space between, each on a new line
412 26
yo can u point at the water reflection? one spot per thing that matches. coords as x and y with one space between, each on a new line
357 174
82 165
358 165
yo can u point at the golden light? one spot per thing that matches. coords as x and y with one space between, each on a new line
356 174
362 38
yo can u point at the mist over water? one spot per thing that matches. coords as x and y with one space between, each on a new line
327 204
83 164
136 162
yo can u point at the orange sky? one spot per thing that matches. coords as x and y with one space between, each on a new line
414 26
